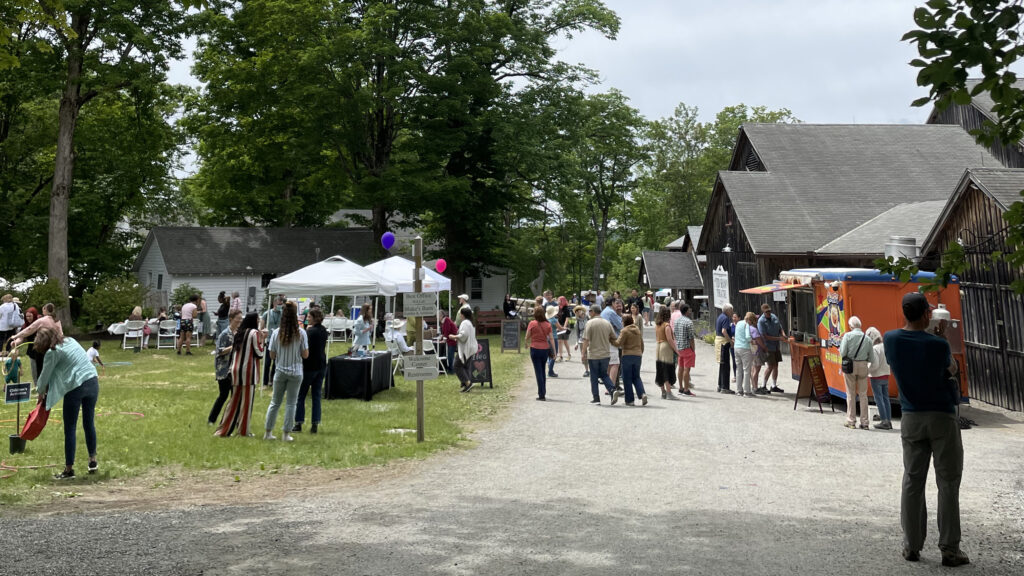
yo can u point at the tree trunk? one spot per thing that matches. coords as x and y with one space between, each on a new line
379 224
602 234
64 169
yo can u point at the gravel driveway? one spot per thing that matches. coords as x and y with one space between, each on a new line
713 484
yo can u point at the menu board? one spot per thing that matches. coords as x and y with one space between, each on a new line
813 384
480 367
510 335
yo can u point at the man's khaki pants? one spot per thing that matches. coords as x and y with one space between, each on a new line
925 434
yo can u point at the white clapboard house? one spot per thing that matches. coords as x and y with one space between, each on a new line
242 259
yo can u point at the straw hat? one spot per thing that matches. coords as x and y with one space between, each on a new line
649 293
579 308
550 312
16 300
397 324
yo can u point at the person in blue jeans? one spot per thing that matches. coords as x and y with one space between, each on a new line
314 367
551 316
68 375
540 337
631 342
596 351
288 348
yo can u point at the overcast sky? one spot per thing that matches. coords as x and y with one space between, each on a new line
828 61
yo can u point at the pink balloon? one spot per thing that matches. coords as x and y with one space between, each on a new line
440 266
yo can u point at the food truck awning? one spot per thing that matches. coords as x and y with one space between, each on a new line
773 287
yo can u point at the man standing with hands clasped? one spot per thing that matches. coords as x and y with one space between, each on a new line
929 393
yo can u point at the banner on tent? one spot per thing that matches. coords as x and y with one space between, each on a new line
419 305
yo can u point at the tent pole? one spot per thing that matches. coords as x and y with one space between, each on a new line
330 334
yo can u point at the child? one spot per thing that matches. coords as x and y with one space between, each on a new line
94 353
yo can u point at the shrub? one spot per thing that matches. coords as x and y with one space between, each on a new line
709 339
41 294
111 301
182 293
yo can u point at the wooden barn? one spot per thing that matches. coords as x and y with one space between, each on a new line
971 117
993 312
819 195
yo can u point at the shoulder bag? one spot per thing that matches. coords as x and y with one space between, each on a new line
848 362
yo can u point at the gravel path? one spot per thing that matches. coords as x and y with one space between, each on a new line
708 485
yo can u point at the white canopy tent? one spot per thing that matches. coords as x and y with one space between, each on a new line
399 270
337 276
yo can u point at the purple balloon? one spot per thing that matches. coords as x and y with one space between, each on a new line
387 240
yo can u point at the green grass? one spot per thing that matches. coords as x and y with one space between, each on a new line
174 394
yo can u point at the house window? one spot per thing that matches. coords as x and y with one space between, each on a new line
265 280
476 288
150 282
159 281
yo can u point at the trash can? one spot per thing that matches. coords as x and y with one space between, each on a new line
17 444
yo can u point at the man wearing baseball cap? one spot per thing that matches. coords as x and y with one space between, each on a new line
929 393
464 302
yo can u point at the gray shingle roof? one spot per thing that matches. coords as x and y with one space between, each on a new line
676 244
694 233
824 180
677 270
913 220
1002 184
227 251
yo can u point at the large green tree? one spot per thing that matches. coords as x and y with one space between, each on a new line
100 47
958 39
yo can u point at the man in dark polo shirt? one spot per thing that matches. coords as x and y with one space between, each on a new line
929 393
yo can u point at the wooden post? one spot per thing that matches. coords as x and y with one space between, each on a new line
417 280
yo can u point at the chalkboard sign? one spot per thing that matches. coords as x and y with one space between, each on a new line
510 335
480 367
813 384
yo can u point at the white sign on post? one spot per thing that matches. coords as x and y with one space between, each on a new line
419 305
780 296
720 283
423 367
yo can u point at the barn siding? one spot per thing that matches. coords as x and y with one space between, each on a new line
993 313
970 118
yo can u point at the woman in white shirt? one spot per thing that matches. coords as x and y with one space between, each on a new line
288 347
466 340
878 376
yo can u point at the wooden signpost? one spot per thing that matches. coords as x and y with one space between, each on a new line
510 336
813 384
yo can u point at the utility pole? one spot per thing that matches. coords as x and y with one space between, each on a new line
417 279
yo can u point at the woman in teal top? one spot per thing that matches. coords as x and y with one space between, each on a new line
68 375
363 328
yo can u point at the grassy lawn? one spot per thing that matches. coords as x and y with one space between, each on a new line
153 413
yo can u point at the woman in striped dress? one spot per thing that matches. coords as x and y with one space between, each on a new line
246 353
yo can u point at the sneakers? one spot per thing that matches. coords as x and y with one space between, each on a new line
312 429
749 395
65 475
643 399
541 399
630 404
287 438
850 425
913 555
268 436
615 397
762 391
297 427
552 375
94 466
864 426
883 426
469 386
687 393
596 400
664 395
726 391
777 389
586 373
955 558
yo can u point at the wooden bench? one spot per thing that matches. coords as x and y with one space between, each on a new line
487 319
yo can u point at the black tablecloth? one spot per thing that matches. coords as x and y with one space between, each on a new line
351 377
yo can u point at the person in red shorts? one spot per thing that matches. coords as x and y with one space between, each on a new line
685 338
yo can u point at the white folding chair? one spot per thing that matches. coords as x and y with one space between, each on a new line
133 331
428 348
165 331
396 355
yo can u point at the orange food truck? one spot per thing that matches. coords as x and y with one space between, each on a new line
822 299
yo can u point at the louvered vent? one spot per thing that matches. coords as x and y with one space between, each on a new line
752 162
